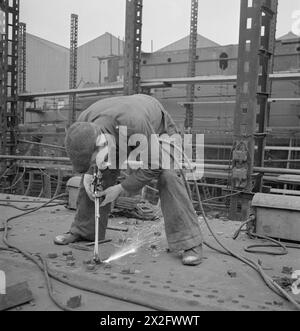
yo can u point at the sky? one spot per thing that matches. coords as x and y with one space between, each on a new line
164 21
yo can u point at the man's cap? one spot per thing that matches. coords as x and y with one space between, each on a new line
80 145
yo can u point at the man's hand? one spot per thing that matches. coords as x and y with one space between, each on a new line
111 194
88 185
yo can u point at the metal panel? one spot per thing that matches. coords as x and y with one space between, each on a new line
277 216
281 225
276 201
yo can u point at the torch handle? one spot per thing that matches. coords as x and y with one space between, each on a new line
97 220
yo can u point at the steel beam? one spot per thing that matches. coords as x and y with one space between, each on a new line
9 75
133 47
73 67
189 120
34 158
22 70
266 58
41 144
92 90
233 102
155 83
256 49
222 79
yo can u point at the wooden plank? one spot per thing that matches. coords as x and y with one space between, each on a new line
15 296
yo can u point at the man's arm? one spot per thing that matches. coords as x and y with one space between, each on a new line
138 179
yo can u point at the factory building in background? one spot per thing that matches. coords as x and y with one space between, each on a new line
100 62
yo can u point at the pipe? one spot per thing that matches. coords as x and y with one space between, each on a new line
279 171
34 158
262 170
41 144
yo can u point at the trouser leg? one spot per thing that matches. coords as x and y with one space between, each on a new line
84 223
181 222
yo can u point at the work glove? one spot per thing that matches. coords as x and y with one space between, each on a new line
111 194
88 185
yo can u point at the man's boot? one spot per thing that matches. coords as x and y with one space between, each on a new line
66 239
193 257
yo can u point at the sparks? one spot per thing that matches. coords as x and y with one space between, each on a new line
140 239
124 252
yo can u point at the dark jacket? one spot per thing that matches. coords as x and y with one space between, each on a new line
141 114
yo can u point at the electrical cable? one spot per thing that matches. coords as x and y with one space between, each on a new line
50 177
50 288
222 196
6 171
29 201
252 235
28 209
268 280
14 184
238 231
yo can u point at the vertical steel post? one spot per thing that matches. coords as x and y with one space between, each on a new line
256 48
73 67
266 53
22 69
189 122
22 58
9 76
133 47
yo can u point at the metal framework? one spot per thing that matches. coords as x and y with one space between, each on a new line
133 47
9 76
256 49
73 67
192 64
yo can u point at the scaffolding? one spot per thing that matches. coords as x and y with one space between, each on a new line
189 122
9 76
133 47
73 67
